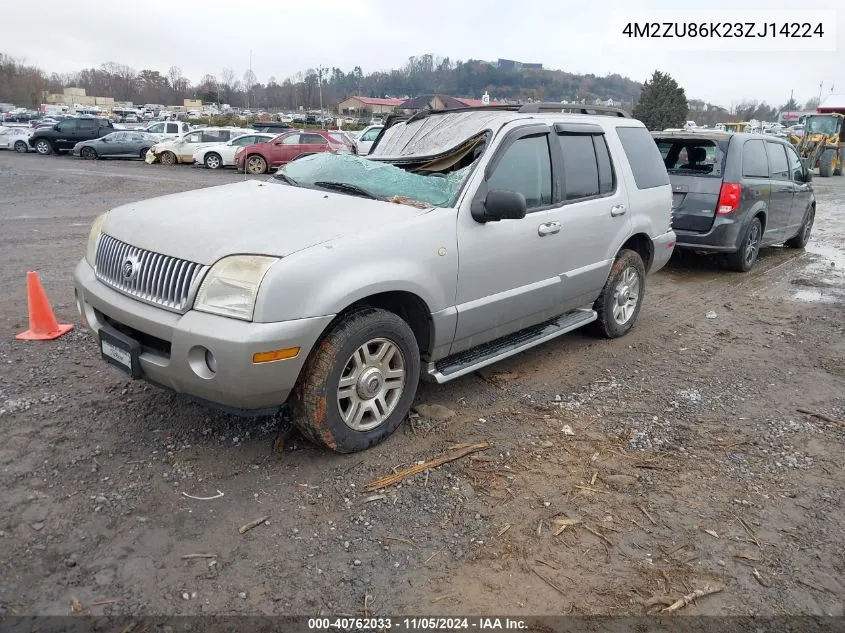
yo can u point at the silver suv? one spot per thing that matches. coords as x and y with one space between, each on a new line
465 237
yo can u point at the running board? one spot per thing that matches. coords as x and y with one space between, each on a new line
473 359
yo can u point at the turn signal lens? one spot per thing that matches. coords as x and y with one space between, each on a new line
278 354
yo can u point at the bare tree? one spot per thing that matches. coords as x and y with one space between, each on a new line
174 74
249 83
228 81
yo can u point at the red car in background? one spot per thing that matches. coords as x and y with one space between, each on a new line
288 146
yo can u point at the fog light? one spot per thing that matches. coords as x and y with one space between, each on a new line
211 361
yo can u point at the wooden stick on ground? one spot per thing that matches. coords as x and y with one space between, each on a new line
189 556
548 582
820 416
690 597
252 524
458 453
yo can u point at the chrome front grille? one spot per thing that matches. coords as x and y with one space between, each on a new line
164 281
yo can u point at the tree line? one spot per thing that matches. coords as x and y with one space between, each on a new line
24 84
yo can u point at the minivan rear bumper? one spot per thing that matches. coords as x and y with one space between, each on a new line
723 237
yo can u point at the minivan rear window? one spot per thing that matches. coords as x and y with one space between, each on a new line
645 160
691 157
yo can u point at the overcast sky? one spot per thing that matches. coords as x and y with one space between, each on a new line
287 37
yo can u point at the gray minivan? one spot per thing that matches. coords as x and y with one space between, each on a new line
733 193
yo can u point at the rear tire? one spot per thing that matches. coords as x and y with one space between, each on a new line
743 259
826 163
213 161
44 147
800 240
369 351
21 147
837 171
167 158
620 301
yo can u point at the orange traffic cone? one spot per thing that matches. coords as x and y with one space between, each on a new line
42 322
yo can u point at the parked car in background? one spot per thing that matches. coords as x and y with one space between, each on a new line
182 148
15 139
223 155
735 193
270 126
168 128
121 144
260 159
65 134
365 140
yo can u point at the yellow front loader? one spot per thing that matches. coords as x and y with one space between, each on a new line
823 143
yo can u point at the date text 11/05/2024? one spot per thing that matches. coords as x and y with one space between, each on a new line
788 30
415 624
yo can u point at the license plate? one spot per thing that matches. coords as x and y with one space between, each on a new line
121 351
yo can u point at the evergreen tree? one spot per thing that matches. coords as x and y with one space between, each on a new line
662 104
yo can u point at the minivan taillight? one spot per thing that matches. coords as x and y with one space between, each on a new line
728 198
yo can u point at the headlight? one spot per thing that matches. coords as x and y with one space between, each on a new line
231 286
93 238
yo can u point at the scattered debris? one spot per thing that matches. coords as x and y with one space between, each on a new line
759 578
747 556
189 556
374 498
547 564
690 597
820 416
548 582
567 430
399 540
434 412
428 560
647 515
76 607
504 529
601 536
99 603
456 453
711 315
563 524
711 533
252 524
217 496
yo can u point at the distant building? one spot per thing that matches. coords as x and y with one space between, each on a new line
440 102
366 106
833 103
72 96
193 104
510 64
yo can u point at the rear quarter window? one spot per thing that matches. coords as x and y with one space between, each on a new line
644 157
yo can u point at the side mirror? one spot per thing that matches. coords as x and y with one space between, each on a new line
808 174
499 205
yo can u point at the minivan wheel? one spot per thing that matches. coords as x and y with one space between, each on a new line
43 147
743 259
359 381
619 302
800 240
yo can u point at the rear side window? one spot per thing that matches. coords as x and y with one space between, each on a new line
646 162
755 164
587 170
313 139
778 166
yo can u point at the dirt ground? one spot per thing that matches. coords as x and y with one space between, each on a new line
680 448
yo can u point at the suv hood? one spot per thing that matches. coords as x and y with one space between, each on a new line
251 217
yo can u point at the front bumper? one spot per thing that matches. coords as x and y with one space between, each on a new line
662 247
173 346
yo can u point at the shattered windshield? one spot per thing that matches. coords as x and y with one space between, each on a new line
822 125
356 175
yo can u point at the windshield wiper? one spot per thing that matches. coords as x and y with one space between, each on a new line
346 188
284 178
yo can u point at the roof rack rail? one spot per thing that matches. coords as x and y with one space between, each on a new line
577 108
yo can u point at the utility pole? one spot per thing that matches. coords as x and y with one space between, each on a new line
320 70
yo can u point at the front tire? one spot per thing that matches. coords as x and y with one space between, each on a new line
743 259
44 147
167 158
837 171
88 153
800 240
21 147
213 161
359 381
620 301
256 164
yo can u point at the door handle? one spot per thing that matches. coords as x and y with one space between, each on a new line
618 209
548 228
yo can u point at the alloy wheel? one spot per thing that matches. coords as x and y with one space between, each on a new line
626 295
371 384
